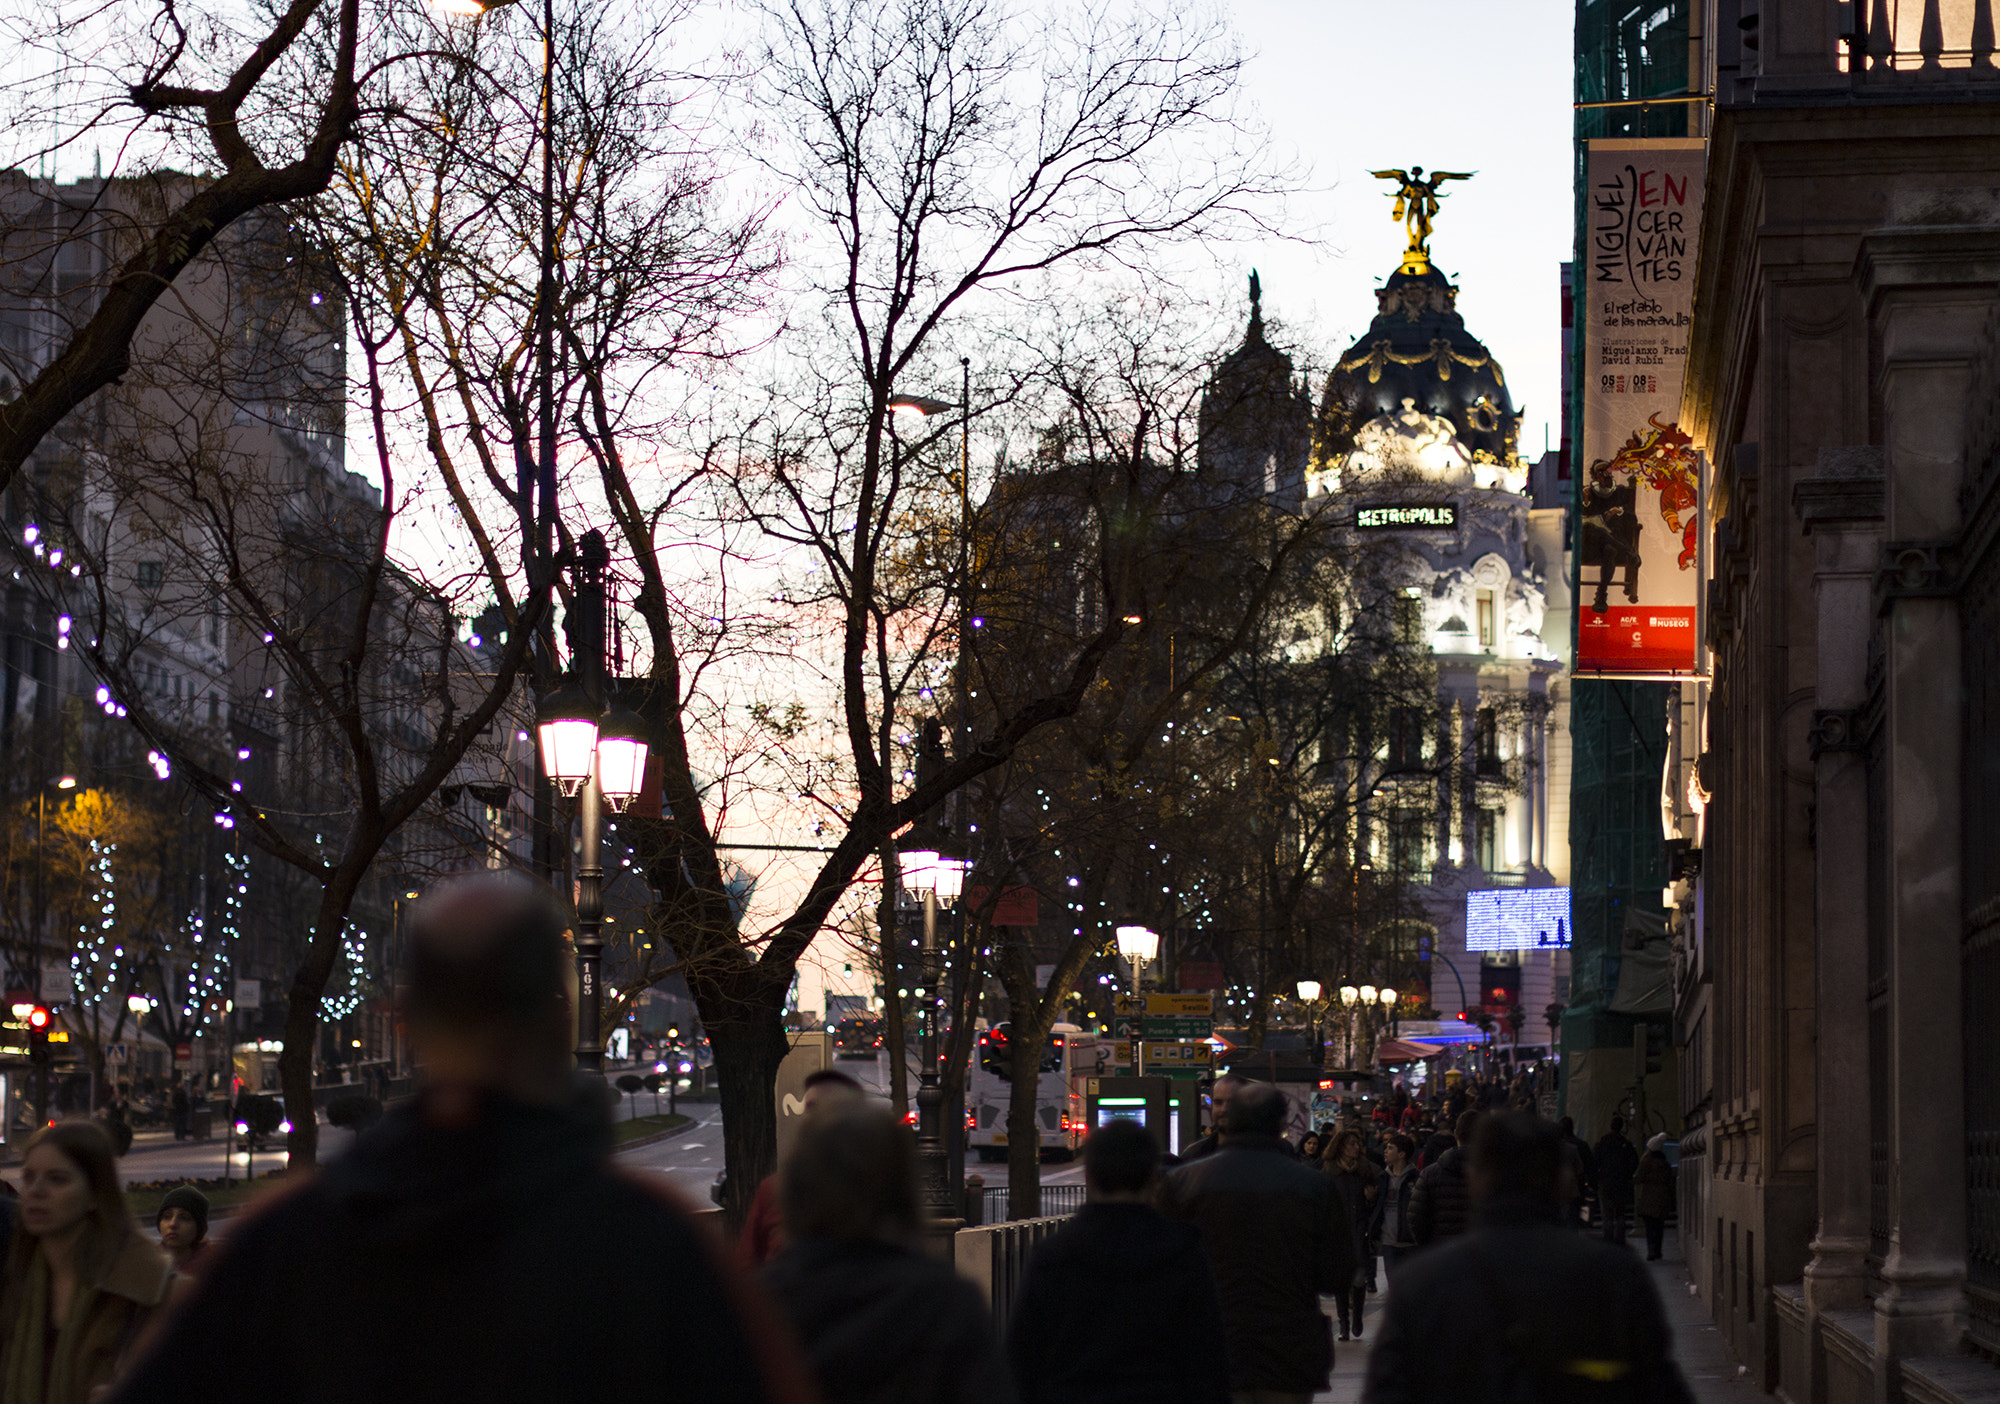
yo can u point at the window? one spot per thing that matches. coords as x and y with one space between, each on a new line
1486 839
1409 841
1488 630
1409 617
1406 739
150 575
1486 741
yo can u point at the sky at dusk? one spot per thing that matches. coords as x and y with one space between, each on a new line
1358 85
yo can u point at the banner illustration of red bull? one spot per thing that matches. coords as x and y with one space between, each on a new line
1639 494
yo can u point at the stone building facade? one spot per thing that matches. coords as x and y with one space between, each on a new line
1838 946
1425 477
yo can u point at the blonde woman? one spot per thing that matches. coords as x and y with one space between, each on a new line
80 1281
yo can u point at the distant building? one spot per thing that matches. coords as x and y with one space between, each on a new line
1417 453
212 475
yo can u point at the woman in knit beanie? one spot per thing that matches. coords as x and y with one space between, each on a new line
182 1223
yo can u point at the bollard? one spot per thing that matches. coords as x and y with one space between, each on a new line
974 1212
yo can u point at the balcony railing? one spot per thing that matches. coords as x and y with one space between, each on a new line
1926 41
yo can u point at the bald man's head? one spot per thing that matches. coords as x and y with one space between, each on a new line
486 969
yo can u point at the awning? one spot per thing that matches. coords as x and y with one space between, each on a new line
1395 1050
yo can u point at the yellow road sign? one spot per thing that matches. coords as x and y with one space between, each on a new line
1168 1006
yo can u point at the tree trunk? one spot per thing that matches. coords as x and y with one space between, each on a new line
1024 1157
295 1063
748 1040
892 1002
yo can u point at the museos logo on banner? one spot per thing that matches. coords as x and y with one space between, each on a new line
1640 494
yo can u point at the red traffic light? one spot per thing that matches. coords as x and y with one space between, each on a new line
1461 1016
38 1018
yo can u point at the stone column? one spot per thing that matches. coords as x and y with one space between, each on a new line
1840 504
1928 292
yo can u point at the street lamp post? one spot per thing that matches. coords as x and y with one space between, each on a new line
937 879
1348 995
1309 992
1138 945
596 756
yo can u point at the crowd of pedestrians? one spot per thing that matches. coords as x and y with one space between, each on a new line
480 1244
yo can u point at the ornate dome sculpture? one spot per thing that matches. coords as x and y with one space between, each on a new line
1417 349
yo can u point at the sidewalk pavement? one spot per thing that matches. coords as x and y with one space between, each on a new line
1710 1370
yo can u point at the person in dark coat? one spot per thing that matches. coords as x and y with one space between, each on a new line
1615 1164
1275 1237
181 1105
1218 1109
1441 1203
477 1242
1399 1181
1653 1194
1528 1309
1360 1186
1080 1334
1583 1172
882 1321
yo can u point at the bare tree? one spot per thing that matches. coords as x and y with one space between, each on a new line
190 78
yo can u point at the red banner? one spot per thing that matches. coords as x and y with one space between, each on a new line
1016 906
1631 639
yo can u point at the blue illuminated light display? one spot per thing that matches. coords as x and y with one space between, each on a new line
1517 919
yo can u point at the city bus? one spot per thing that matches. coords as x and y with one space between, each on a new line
1071 1054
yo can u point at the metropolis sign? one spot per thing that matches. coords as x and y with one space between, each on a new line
1404 515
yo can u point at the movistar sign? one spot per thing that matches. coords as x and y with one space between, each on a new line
1407 514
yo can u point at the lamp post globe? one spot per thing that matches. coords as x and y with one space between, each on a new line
566 727
621 757
1309 991
928 874
1348 994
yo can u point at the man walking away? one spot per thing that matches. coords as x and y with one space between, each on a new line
1441 1204
1276 1238
1530 1310
1080 1334
476 1243
1576 1153
882 1321
1617 1162
1653 1194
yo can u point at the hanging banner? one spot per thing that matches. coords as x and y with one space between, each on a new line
1639 496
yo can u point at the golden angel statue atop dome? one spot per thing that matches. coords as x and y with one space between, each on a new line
1417 205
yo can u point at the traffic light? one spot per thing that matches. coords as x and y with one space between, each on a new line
1656 1046
38 1031
674 1031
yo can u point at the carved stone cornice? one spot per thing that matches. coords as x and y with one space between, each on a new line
1837 729
1916 570
1848 485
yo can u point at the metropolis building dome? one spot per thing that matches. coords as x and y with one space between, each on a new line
1417 369
1413 461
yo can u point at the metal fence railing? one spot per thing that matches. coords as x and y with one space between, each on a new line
1056 1200
996 1257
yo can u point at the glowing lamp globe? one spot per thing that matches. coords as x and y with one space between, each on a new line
1138 943
566 723
949 879
621 757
